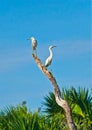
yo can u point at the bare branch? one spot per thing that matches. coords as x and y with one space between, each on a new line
61 102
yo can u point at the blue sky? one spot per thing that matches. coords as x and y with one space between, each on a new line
64 23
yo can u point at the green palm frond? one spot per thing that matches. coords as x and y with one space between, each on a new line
80 101
51 106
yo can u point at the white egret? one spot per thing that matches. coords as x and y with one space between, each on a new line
49 59
34 43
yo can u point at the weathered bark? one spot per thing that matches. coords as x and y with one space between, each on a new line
61 102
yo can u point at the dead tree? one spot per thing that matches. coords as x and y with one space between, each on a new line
61 102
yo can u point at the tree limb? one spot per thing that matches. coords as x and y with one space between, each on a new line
61 102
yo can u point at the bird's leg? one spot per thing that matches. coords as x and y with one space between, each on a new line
32 51
36 52
51 70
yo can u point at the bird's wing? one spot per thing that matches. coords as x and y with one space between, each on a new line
34 44
48 61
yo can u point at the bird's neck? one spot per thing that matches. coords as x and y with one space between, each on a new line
50 52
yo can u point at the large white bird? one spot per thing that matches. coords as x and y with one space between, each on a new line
34 43
49 59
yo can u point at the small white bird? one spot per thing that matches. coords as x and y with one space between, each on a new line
34 43
49 59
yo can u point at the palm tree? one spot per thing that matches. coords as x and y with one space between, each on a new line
14 118
51 106
19 118
81 104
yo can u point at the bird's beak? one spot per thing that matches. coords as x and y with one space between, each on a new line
28 38
54 46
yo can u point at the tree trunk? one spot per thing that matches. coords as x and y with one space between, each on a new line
59 100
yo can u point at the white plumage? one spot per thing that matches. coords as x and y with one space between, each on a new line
49 59
34 43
